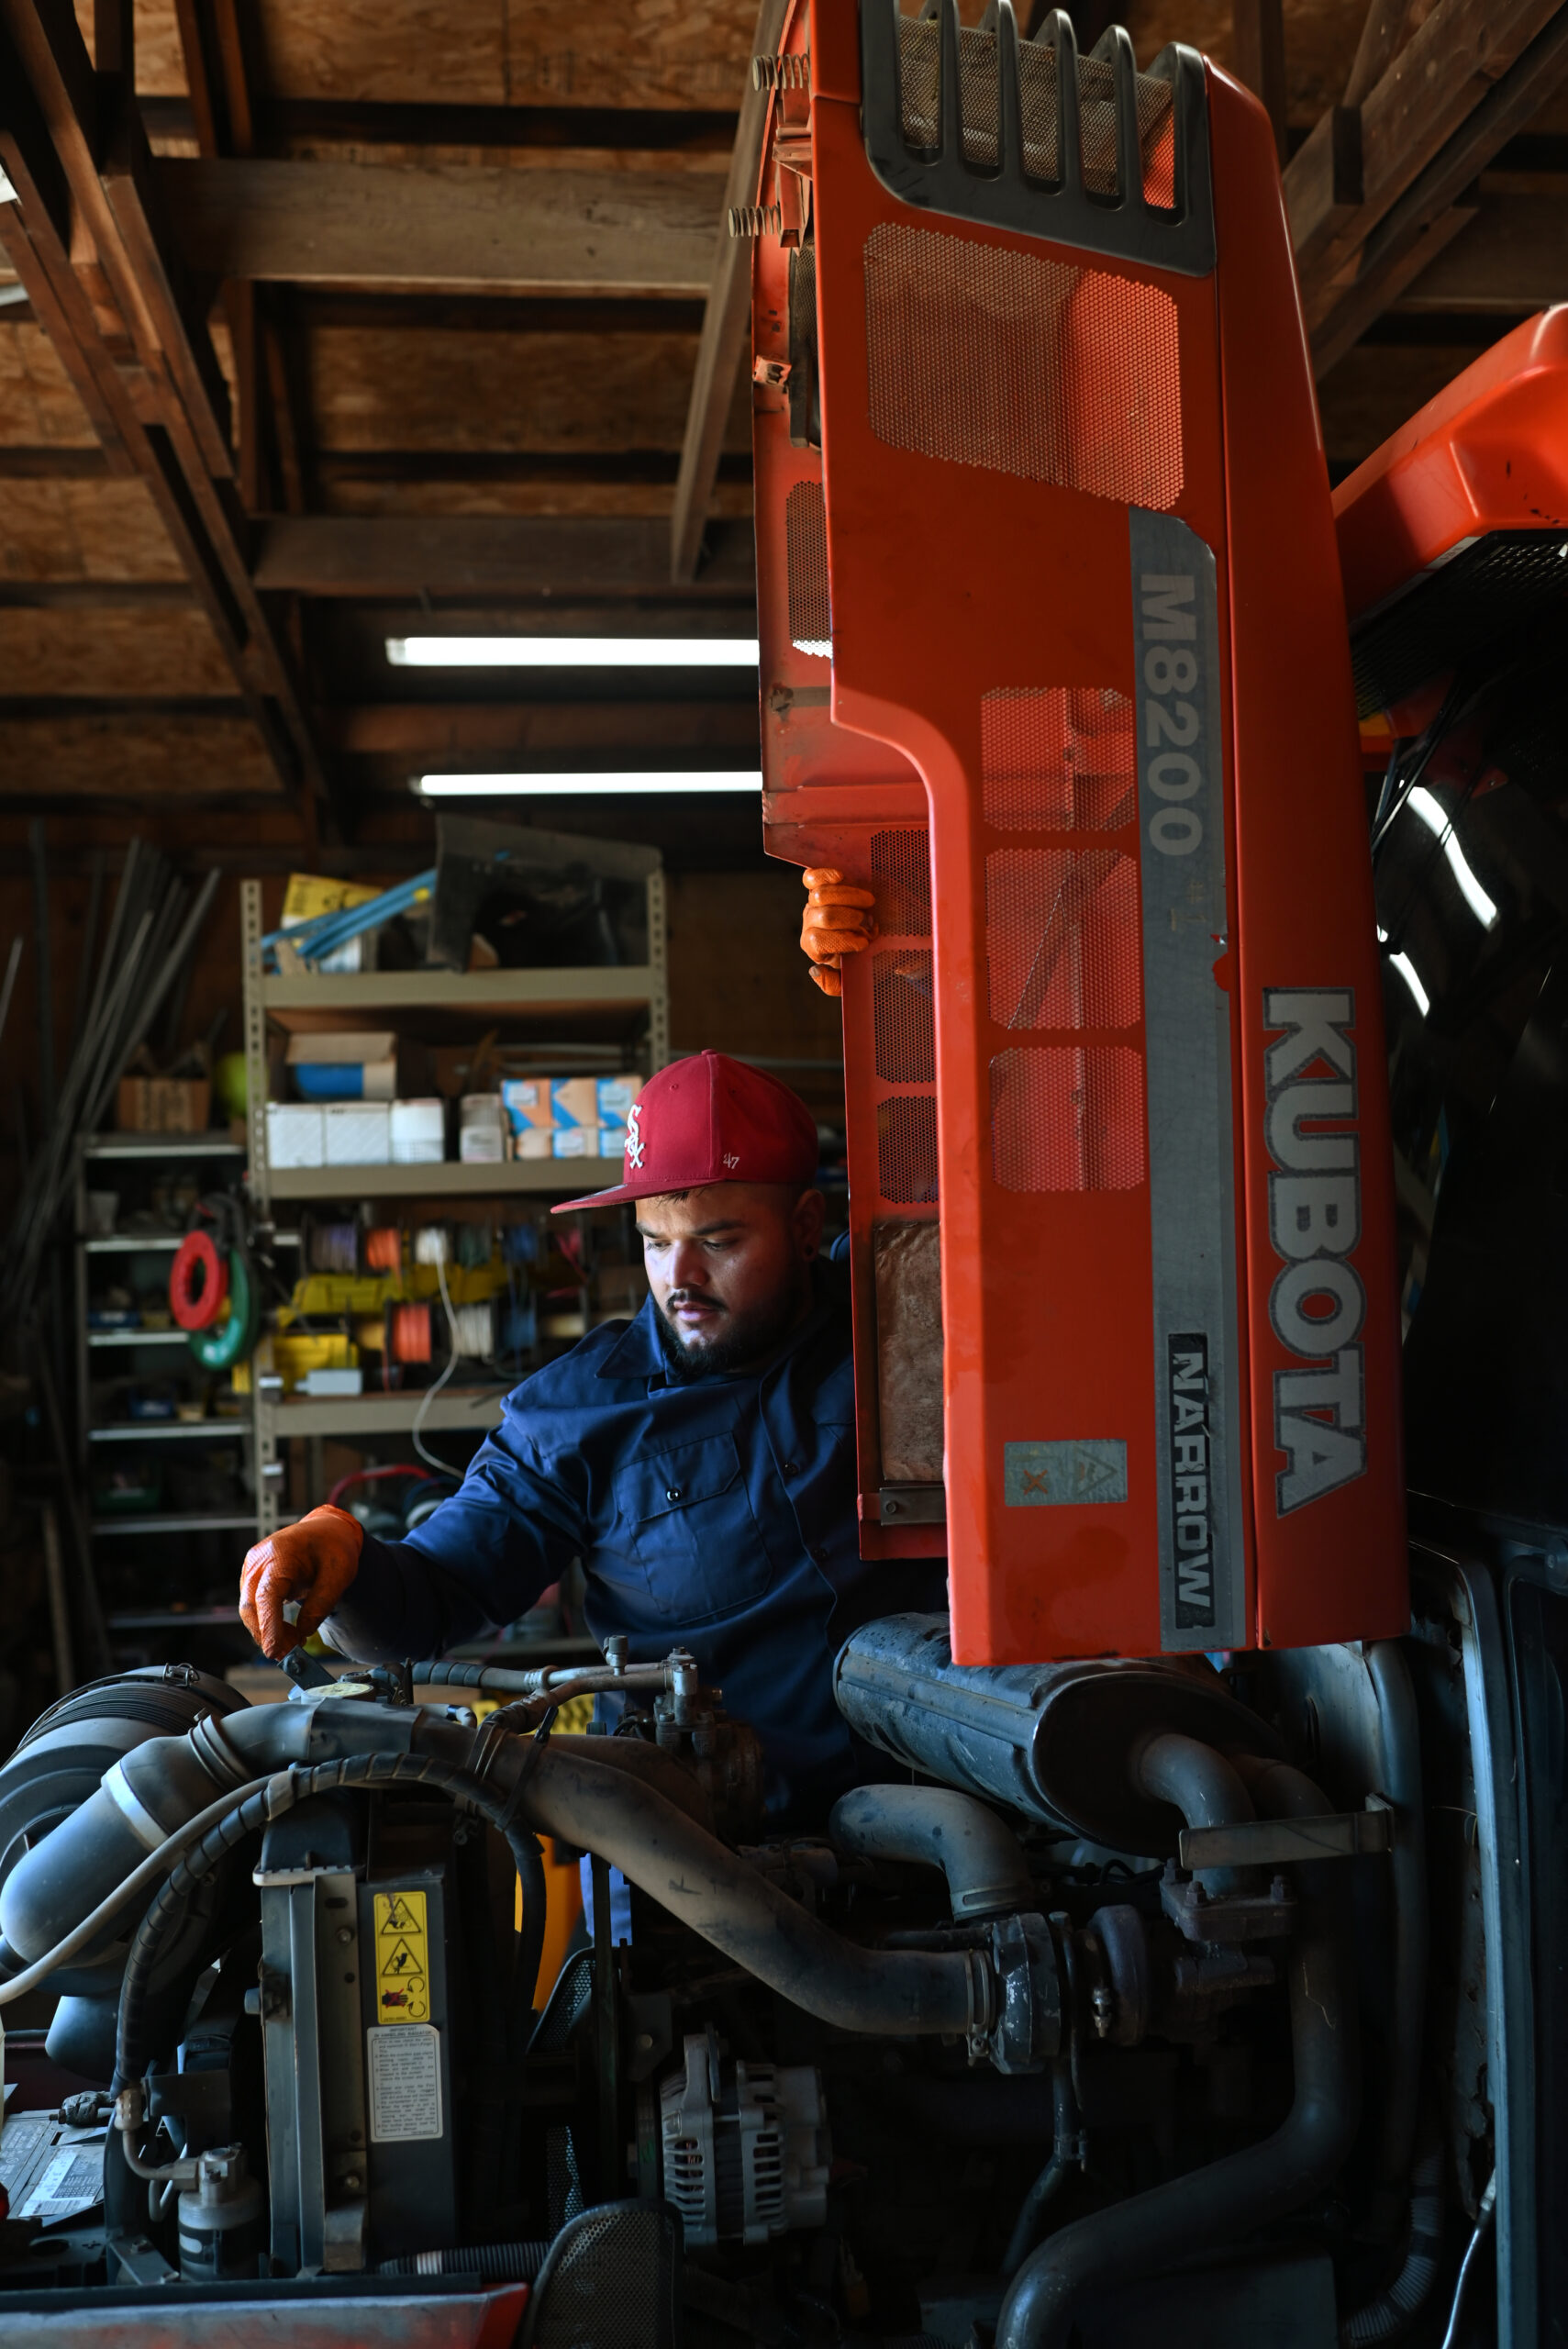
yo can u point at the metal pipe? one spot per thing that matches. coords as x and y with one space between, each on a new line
1246 2190
1401 1736
978 1853
1198 1782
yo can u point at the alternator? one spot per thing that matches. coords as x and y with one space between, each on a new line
745 2146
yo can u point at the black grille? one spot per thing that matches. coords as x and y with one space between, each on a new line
1030 137
611 2281
1457 613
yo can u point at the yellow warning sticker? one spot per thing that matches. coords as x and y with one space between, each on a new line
402 1958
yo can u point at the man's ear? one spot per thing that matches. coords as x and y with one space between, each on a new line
806 1222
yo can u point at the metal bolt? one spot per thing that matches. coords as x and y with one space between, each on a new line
352 2182
345 1933
617 1651
1104 2005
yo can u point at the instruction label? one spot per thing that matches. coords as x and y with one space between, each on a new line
404 2072
402 1959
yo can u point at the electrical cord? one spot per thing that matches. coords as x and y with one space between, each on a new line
454 1352
1484 2218
249 1808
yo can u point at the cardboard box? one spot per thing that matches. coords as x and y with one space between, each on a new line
612 1141
575 1100
525 1102
615 1096
573 1142
534 1141
358 1133
163 1105
417 1132
296 1134
344 1065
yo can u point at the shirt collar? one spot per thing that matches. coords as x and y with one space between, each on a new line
637 1352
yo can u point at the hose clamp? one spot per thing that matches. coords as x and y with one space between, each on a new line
488 1745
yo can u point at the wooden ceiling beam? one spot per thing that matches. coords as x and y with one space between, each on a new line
1359 161
725 318
444 230
374 557
375 122
1437 203
544 729
110 285
1509 261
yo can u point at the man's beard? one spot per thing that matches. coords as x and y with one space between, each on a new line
740 1340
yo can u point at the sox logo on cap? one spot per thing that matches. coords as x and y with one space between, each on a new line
708 1119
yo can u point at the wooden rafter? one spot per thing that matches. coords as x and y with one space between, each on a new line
1379 188
472 229
728 289
487 556
88 239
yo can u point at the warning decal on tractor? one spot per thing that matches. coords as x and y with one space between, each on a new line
402 1958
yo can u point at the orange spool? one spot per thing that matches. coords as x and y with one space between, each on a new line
411 1334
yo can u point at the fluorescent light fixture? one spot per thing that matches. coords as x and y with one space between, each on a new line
573 651
1437 821
1412 979
551 786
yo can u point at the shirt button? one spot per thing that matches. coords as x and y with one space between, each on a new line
792 1467
672 1492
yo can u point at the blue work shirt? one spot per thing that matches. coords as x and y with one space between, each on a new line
717 1515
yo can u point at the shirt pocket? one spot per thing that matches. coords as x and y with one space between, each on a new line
687 1517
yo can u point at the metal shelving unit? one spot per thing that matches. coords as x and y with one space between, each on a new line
159 1349
468 1002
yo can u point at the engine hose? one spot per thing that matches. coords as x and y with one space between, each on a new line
247 1812
1392 2310
493 2263
1066 2154
157 1864
695 1878
1230 2198
986 1870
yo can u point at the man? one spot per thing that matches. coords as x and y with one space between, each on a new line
699 1460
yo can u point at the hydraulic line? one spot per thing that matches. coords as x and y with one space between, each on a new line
1484 2218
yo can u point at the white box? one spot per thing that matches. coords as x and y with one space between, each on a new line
296 1134
358 1133
480 1146
418 1132
333 1382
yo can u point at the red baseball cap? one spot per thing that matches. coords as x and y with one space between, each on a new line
710 1120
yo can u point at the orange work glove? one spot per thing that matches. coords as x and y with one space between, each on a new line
311 1565
837 922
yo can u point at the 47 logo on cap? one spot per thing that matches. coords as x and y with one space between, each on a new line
634 1142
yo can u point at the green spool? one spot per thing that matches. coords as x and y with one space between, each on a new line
234 1338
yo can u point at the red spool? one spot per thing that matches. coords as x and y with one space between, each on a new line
198 1283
